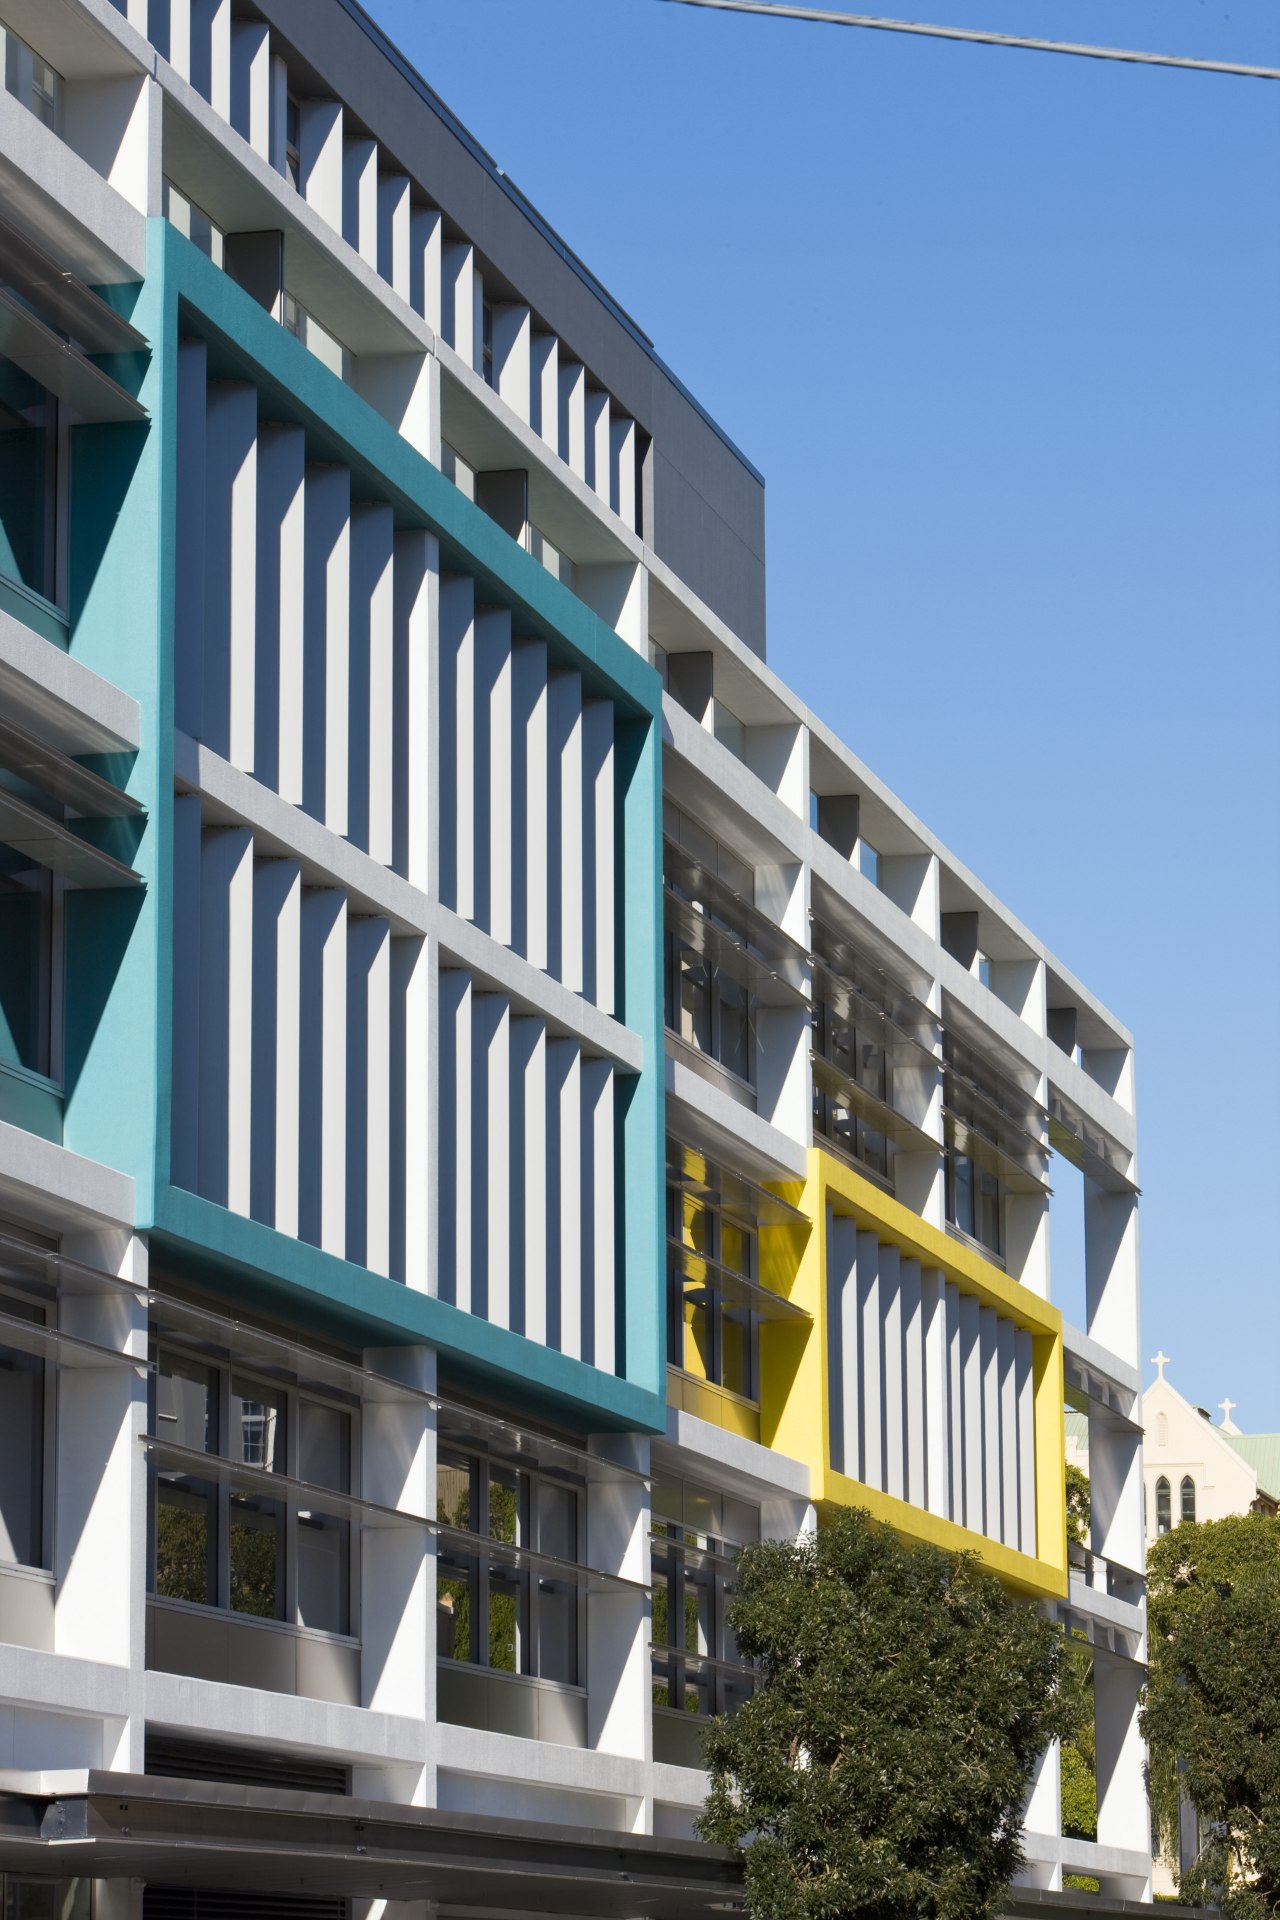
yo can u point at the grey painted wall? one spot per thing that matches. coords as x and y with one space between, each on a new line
708 521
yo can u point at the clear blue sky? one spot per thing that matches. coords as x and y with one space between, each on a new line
1003 333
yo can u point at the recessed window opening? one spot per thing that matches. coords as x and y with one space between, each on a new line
293 143
31 80
1188 1500
1164 1506
33 446
869 861
710 1335
220 1542
697 1532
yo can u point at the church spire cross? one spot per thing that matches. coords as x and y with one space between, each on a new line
1228 1408
1160 1361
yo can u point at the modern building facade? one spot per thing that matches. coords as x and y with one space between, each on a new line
499 1106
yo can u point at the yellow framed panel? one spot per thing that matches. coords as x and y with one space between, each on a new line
794 1401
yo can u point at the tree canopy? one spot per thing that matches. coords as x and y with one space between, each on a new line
880 1769
1211 1709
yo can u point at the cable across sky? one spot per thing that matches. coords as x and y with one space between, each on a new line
825 16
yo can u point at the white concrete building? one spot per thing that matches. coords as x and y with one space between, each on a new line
499 1107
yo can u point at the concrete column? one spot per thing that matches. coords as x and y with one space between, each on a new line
395 213
1111 1270
619 1719
397 1612
226 1018
1121 1756
278 84
1115 1492
100 1525
320 158
618 591
360 197
115 125
279 576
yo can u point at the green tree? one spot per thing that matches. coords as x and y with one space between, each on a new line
1211 1707
1077 1506
879 1770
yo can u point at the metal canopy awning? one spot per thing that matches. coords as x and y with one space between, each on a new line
66 301
39 351
61 777
269 1840
47 843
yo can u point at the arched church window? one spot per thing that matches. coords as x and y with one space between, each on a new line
1164 1506
1188 1498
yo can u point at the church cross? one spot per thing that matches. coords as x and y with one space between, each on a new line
1228 1408
1160 1361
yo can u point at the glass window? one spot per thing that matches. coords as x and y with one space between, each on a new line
26 963
486 344
490 1612
975 1201
708 1335
1188 1492
1164 1507
32 1897
22 1409
695 1660
28 480
31 80
293 143
228 1544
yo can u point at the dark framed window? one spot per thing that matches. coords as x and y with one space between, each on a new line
1164 1506
228 1541
697 1532
710 1334
710 1010
1188 1500
27 971
26 1389
860 1058
506 1611
975 1201
29 480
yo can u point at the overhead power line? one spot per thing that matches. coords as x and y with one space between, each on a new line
823 16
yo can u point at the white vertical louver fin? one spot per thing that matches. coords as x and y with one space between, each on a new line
913 1382
565 1254
226 1024
529 787
453 1280
600 1263
371 735
189 600
529 1093
360 196
495 817
277 915
417 647
368 1028
395 212
322 1173
411 1184
184 1149
893 1475
565 752
870 1339
1009 1515
231 432
598 863
937 1409
845 1384
1024 1393
326 643
971 1390
279 576
989 1349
